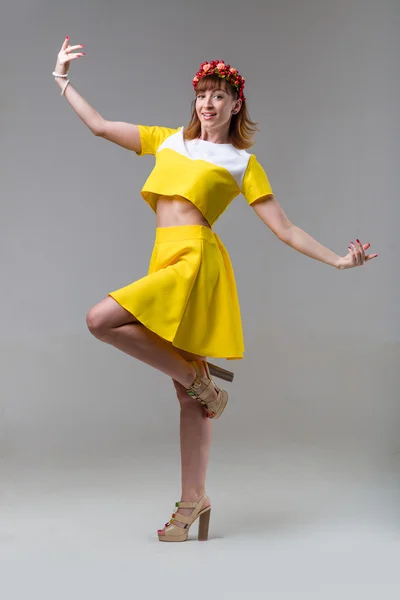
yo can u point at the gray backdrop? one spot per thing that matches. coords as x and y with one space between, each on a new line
311 432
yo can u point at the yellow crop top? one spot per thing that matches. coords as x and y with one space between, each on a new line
207 174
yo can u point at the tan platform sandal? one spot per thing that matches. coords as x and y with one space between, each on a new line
202 388
174 533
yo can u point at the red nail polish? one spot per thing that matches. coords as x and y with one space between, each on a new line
358 241
67 38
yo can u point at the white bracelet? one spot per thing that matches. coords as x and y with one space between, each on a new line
59 74
65 87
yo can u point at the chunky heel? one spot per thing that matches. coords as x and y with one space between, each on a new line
204 523
219 372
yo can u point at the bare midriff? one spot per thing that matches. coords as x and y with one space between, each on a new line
174 211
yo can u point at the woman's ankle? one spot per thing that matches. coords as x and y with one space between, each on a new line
192 495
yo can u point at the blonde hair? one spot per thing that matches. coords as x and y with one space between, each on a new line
241 130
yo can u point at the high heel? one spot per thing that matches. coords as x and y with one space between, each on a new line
174 533
219 372
204 524
202 389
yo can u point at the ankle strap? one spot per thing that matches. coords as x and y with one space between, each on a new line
191 504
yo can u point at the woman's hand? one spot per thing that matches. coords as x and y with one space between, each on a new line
356 256
65 56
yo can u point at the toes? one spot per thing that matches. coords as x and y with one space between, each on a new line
209 414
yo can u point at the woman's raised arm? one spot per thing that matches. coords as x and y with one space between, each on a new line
123 134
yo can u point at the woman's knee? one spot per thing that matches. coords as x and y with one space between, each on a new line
106 315
96 322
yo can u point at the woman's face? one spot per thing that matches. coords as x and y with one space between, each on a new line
215 108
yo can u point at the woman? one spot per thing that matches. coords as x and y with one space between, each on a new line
186 308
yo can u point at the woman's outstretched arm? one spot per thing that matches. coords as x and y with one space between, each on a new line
271 213
123 134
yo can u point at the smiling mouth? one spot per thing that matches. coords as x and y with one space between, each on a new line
208 115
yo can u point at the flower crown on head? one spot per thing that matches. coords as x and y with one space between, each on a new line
218 67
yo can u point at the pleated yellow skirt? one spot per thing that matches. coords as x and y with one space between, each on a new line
189 295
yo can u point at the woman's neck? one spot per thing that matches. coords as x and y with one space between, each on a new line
215 137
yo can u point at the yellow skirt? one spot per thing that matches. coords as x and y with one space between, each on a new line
189 295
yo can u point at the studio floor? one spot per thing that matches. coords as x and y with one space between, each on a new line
278 530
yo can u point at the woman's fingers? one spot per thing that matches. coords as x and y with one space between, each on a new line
358 252
65 43
74 56
67 54
361 252
368 256
353 255
69 49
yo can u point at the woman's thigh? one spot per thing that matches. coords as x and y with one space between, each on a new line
108 314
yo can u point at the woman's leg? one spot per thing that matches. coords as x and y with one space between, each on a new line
195 441
195 436
111 323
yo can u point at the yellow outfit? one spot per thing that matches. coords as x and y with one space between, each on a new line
189 295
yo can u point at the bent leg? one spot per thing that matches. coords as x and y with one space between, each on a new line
112 324
105 315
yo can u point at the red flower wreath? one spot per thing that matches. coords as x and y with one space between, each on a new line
218 67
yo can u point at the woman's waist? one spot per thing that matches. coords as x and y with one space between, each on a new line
180 233
175 211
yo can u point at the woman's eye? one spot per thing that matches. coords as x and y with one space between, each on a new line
201 96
